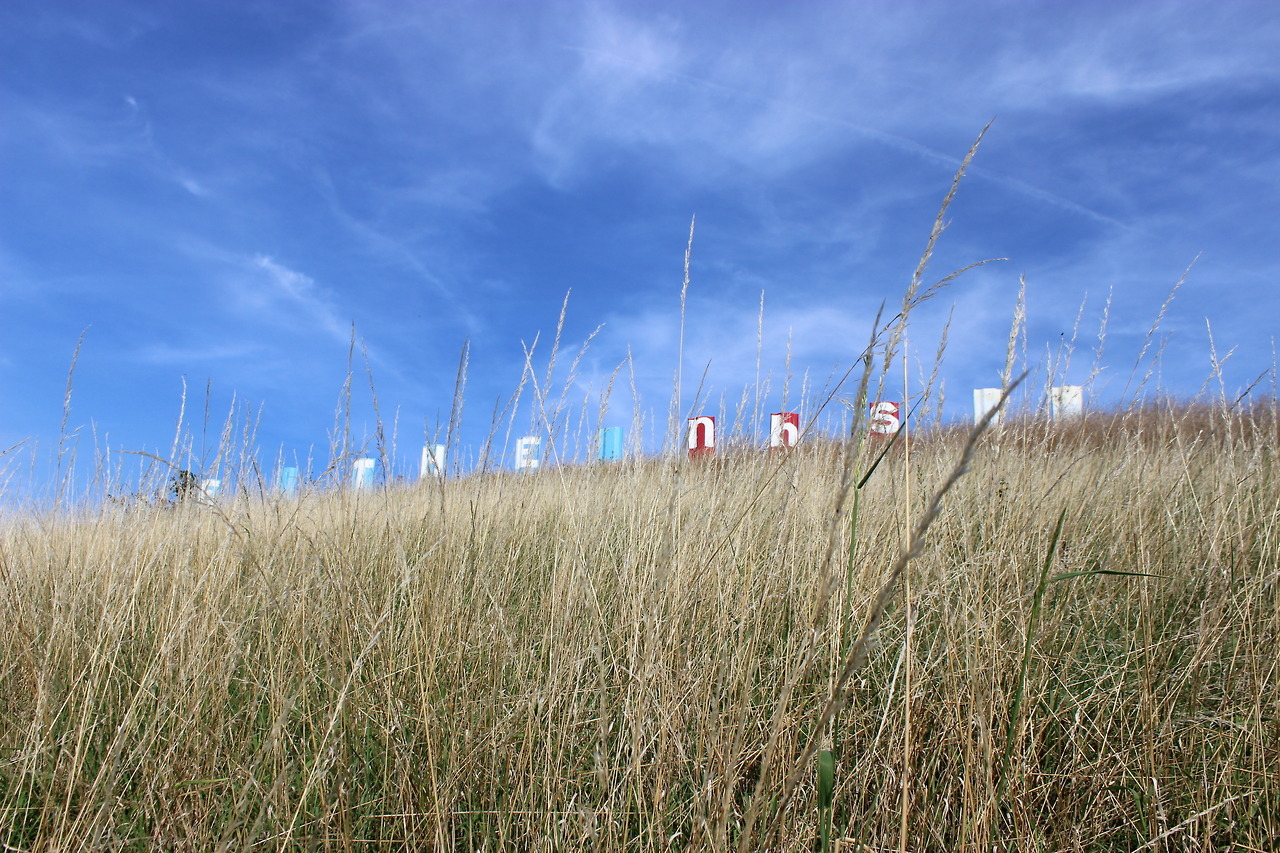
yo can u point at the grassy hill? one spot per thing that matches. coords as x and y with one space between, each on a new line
1080 655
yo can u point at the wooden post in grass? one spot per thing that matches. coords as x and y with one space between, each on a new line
702 437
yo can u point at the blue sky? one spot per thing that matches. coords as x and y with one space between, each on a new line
217 191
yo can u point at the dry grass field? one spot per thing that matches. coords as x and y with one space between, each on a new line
1035 638
1081 655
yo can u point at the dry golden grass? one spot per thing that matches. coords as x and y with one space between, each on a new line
610 658
1082 651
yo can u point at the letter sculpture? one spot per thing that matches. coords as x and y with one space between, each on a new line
784 429
984 400
362 473
702 437
886 419
1066 402
528 452
432 461
611 444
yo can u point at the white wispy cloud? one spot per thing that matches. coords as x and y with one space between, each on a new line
1128 52
396 252
115 32
281 294
712 108
188 353
105 135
